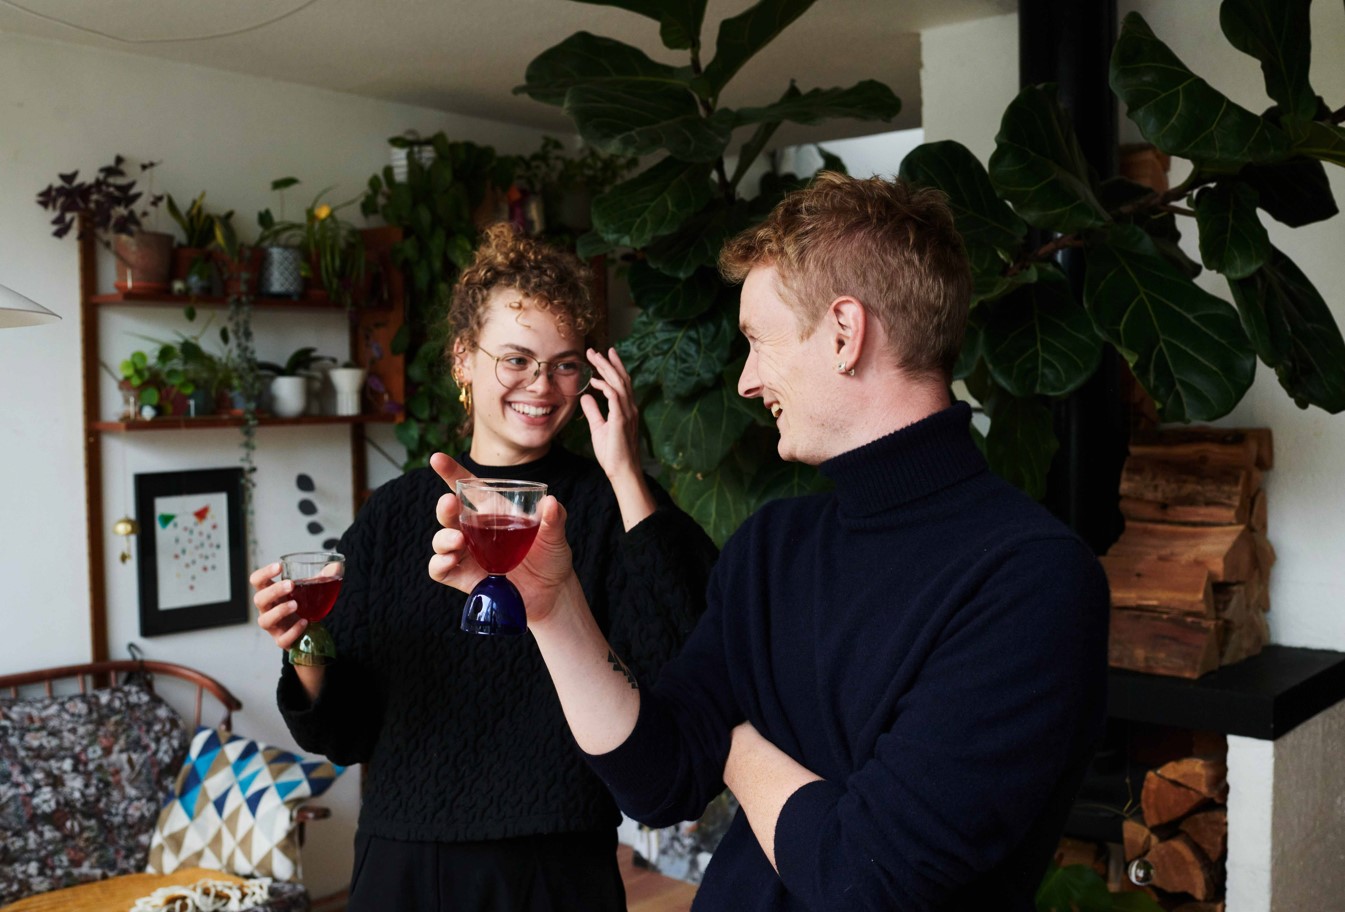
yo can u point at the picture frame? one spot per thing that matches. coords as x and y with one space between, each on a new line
191 549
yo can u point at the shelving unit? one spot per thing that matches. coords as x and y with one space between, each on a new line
371 330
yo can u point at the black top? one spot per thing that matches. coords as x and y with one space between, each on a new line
926 639
464 734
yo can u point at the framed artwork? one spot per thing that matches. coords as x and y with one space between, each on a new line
193 558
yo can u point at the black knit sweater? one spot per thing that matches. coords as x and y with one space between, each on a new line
926 639
463 734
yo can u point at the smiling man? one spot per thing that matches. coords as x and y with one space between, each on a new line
901 680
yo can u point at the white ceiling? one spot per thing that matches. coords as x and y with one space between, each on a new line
465 56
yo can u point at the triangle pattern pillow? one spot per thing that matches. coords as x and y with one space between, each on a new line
232 808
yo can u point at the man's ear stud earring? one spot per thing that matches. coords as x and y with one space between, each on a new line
841 369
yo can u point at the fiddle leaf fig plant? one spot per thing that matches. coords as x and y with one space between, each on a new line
1030 340
684 351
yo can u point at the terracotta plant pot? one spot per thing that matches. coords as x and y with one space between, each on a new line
193 266
240 277
144 261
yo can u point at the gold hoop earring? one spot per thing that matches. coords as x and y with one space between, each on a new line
465 398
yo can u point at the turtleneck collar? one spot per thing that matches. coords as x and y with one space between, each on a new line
919 459
541 469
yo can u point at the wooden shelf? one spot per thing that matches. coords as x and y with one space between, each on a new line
312 302
224 421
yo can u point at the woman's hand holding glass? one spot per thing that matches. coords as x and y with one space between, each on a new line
542 575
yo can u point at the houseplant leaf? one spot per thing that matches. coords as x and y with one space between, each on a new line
1277 33
1294 332
1021 441
867 100
982 218
1232 239
1038 340
1295 192
696 433
652 203
587 59
679 20
681 356
1039 168
742 36
1181 113
1324 141
717 500
670 298
757 142
1185 346
698 241
638 117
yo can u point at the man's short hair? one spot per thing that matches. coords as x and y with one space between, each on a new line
890 245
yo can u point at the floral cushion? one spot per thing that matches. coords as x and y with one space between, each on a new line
232 807
82 778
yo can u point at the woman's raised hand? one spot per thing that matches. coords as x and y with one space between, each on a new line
541 575
275 609
616 438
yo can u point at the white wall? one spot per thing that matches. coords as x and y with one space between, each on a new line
969 76
67 107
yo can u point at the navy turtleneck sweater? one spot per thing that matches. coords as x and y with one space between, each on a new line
925 638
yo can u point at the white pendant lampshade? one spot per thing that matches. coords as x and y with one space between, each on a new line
16 310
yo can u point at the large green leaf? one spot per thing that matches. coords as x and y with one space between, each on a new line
697 433
1185 346
1078 888
1021 441
634 117
717 500
1038 166
760 136
1232 239
1294 332
867 100
670 298
587 59
698 241
983 219
742 36
679 20
652 203
1277 33
1039 340
681 356
1181 113
1323 141
1296 192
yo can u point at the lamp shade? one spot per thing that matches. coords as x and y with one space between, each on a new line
16 310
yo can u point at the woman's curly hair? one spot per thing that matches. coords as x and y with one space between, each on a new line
554 279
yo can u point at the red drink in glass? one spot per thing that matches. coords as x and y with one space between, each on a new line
316 596
498 542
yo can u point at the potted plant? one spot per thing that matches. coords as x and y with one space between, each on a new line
239 264
282 260
289 386
335 251
191 259
568 184
348 381
113 208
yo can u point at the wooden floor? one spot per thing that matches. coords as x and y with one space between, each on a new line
648 891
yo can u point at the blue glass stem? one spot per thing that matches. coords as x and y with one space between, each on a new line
494 608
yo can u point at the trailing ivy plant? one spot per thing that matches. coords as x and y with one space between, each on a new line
1031 341
684 351
434 207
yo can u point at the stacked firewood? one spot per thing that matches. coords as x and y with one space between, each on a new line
1181 842
1190 574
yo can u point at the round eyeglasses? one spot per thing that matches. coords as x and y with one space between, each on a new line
571 375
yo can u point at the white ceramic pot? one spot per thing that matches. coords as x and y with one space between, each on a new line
289 396
349 384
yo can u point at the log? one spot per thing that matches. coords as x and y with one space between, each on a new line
1207 446
1136 838
1209 830
1179 587
1200 907
1264 551
1181 867
1256 517
1154 489
1081 852
1227 551
1164 644
1163 801
1207 776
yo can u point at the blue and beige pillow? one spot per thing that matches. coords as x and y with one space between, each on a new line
232 807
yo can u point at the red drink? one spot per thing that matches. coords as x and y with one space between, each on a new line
316 596
498 542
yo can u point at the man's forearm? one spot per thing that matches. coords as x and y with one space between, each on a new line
597 691
762 777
